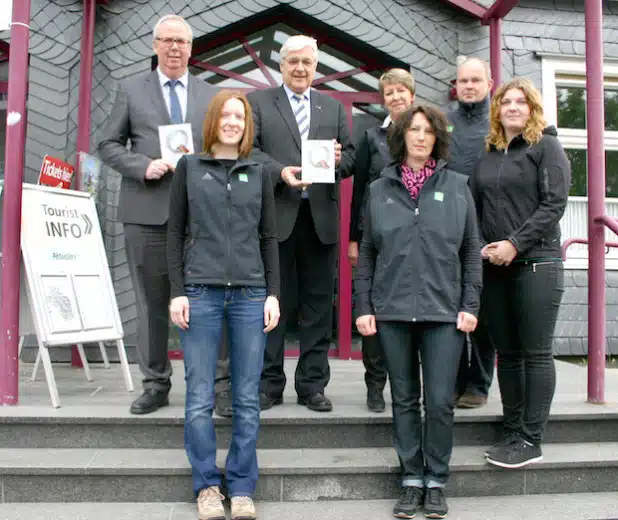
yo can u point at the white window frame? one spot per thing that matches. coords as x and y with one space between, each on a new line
552 67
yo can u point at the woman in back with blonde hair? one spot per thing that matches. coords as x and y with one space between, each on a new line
520 186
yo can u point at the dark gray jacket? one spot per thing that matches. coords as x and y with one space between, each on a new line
521 194
372 155
469 126
419 261
222 226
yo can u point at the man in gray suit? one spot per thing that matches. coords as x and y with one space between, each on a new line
168 95
307 219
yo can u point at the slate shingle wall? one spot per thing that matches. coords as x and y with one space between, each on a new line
425 33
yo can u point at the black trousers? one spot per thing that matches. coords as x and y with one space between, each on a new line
478 359
424 447
147 258
309 265
522 303
375 365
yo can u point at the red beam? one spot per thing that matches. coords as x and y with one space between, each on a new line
608 221
595 117
85 81
251 51
569 242
11 216
499 10
341 75
469 7
495 51
226 73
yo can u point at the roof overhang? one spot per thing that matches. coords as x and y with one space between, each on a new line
499 9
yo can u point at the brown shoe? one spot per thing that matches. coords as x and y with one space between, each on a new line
469 400
209 505
243 508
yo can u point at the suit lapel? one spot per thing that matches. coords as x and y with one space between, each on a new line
192 113
317 111
153 90
285 109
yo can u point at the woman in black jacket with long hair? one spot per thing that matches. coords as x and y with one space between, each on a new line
521 185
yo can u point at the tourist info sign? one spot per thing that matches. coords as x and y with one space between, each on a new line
70 290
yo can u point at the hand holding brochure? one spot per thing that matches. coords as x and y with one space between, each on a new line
318 161
175 141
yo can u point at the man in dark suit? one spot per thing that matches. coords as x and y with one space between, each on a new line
168 95
307 219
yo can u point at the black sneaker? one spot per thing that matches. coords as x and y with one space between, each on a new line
506 440
516 455
435 503
409 501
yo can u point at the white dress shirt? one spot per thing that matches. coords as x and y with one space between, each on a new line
181 91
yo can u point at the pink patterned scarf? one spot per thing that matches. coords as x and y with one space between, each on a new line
414 181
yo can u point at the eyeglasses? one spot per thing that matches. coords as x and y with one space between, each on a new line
182 43
294 62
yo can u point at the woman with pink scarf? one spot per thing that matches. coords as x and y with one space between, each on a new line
418 287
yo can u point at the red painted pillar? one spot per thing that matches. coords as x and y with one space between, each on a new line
86 62
11 217
495 51
344 289
595 118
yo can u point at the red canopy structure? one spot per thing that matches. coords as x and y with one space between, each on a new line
17 55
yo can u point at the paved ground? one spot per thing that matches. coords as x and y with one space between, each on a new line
598 506
106 396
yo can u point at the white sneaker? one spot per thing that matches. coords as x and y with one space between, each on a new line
209 505
243 508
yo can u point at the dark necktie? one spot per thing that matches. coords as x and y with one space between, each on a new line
175 110
301 116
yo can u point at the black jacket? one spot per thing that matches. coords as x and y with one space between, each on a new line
372 156
521 193
419 261
469 125
222 228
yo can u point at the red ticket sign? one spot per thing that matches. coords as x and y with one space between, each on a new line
56 173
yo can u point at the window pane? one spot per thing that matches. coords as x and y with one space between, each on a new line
611 110
578 160
578 172
572 108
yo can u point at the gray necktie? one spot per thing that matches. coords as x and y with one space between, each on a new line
175 110
300 113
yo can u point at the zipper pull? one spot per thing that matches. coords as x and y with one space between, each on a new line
416 212
229 189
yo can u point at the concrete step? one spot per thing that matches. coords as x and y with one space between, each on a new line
141 475
287 426
576 506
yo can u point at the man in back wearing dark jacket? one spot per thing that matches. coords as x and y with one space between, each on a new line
469 122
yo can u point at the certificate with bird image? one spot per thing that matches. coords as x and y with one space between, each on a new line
318 161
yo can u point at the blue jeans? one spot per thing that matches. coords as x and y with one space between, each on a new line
244 309
424 447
